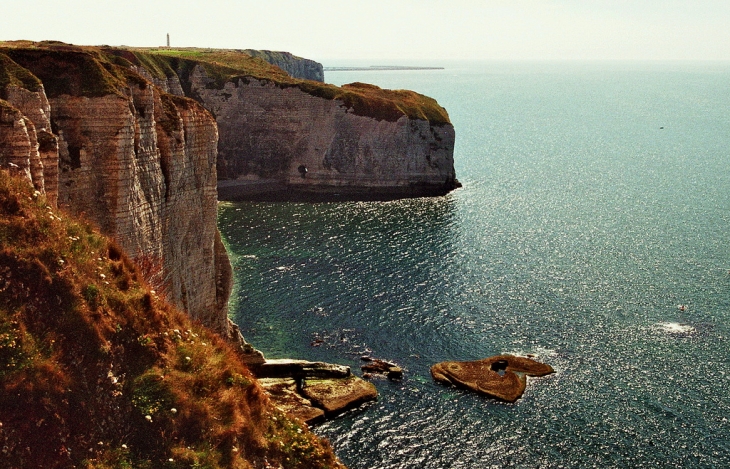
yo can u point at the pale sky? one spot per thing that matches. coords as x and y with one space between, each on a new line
327 30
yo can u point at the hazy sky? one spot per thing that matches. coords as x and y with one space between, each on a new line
325 30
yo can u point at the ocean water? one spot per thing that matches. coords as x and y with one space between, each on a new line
596 200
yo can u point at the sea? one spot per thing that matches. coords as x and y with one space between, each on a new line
592 231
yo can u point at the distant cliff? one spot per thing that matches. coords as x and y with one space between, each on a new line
286 136
102 142
297 67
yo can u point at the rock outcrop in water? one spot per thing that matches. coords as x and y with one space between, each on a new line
313 391
502 377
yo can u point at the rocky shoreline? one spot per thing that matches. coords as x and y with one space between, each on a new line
316 391
271 190
312 391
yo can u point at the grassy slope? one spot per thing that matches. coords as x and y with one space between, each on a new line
13 74
97 371
71 70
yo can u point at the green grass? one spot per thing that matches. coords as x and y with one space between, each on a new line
71 72
13 74
366 100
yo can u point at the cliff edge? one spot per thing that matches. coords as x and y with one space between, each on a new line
144 142
297 67
285 137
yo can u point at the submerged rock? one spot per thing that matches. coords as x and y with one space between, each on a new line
377 366
502 377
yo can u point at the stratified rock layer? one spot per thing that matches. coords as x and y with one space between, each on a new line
314 144
502 377
287 138
136 161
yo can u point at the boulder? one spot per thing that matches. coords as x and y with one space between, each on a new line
283 393
335 396
375 365
502 377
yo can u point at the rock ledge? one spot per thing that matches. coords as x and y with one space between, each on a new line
312 391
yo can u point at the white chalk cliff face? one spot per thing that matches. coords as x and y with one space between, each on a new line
28 141
141 165
311 143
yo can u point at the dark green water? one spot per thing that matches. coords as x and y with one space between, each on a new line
596 200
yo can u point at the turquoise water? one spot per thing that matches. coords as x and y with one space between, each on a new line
596 200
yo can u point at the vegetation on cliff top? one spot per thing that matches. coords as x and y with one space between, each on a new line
230 65
97 371
71 70
100 71
13 74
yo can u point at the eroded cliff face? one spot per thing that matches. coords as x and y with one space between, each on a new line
27 140
107 133
286 136
18 143
297 67
136 161
313 144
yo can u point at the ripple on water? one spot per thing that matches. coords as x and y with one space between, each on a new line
675 328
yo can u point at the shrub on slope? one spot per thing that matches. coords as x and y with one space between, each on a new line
98 371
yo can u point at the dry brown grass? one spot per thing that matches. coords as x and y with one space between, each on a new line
97 371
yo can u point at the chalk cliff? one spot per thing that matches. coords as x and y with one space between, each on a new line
284 136
314 144
138 162
297 67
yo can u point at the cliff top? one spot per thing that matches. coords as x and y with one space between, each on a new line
367 100
66 69
98 371
101 70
